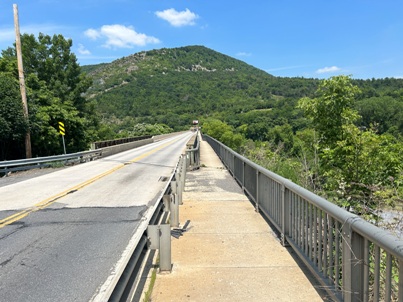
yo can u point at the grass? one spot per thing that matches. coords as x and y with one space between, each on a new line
148 293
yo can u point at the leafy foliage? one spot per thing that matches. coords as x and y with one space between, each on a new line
356 167
175 86
223 132
13 124
55 87
332 109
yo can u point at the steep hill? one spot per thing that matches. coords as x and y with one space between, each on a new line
175 86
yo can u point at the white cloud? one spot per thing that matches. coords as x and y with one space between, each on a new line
243 54
120 36
328 69
82 50
92 34
176 18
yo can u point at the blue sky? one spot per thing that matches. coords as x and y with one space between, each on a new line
311 38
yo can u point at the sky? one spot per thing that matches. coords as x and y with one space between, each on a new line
287 38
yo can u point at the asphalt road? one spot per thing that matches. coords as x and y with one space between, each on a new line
63 234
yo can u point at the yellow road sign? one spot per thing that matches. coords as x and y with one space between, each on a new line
62 131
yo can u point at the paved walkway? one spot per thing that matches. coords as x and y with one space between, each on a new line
229 252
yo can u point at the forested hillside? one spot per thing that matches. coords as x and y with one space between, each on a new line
175 86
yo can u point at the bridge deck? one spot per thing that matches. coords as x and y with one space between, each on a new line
229 252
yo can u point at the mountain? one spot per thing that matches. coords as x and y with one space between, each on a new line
175 86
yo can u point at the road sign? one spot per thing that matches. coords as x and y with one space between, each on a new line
62 131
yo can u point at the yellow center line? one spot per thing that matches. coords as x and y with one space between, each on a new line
47 202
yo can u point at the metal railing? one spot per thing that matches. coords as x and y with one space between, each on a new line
165 211
119 141
98 149
353 259
30 163
193 152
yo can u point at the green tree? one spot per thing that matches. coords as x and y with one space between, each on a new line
13 124
224 133
358 167
55 89
332 109
282 135
363 170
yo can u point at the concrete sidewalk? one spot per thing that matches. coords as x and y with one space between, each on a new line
229 252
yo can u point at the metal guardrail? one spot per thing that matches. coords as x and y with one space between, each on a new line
128 285
98 149
353 259
25 164
193 152
119 141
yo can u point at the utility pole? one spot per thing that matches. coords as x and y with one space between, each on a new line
28 151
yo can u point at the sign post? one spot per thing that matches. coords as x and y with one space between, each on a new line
63 133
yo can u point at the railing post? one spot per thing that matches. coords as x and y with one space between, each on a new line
353 263
183 174
286 215
159 237
243 175
174 210
257 191
165 248
179 192
174 187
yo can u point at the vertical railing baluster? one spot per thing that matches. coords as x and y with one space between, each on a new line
337 256
400 284
293 217
257 191
297 207
377 272
315 236
306 226
286 214
325 245
320 241
275 205
366 270
388 278
273 200
310 227
331 250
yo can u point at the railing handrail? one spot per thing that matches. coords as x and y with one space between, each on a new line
45 159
